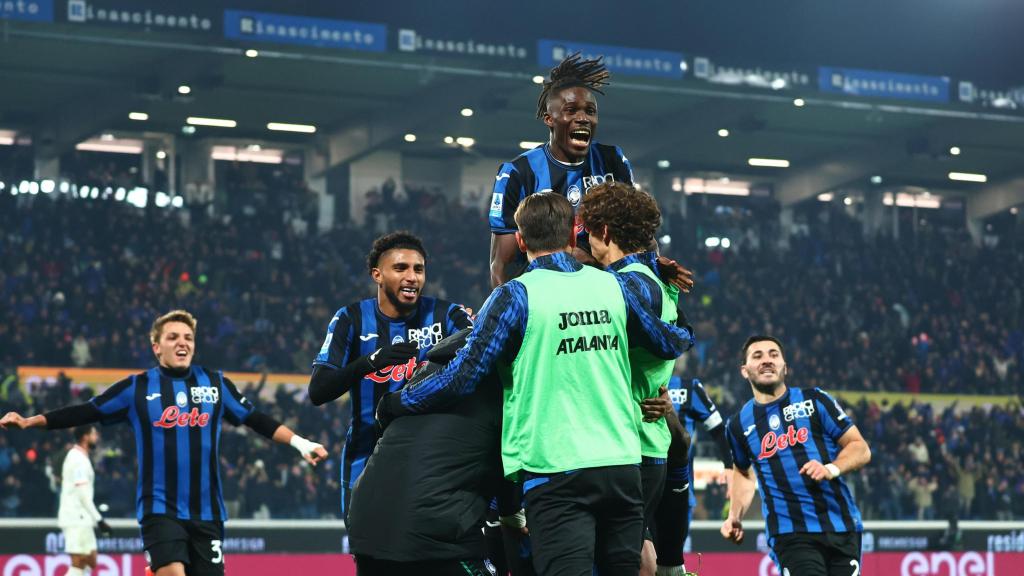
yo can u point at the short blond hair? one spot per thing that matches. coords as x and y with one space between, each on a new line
182 316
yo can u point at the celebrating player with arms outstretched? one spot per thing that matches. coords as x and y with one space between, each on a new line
799 442
176 410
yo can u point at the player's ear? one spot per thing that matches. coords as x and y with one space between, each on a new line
376 275
520 242
744 372
156 348
548 120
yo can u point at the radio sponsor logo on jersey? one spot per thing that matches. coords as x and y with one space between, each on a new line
205 394
426 336
796 410
678 397
591 181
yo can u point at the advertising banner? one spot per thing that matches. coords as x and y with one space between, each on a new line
756 76
618 59
30 10
170 17
135 564
745 563
872 83
302 30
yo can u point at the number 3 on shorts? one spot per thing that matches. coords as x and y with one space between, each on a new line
856 567
215 547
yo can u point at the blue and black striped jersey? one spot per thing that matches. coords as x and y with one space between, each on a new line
357 330
693 404
538 171
177 435
777 439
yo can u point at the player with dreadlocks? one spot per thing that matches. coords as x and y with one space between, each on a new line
569 163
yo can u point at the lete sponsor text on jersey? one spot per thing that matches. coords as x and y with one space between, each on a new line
172 416
772 443
397 373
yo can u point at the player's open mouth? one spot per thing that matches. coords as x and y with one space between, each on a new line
768 371
181 353
580 137
410 292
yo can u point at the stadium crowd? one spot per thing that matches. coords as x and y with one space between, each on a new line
81 280
926 464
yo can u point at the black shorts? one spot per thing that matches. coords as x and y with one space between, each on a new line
652 480
583 518
194 543
818 554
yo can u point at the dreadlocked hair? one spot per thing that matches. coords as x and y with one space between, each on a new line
571 72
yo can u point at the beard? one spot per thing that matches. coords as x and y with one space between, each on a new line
404 307
769 389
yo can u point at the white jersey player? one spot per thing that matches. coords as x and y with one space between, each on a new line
78 516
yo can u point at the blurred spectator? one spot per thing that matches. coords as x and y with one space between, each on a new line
922 490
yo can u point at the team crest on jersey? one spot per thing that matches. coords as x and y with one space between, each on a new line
796 410
497 200
397 339
574 195
181 399
205 394
773 421
426 336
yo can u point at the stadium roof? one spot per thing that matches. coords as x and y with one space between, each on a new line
64 83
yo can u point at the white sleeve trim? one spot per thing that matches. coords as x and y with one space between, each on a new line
714 420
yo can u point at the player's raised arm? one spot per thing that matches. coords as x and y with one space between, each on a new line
503 315
238 410
15 420
111 405
646 329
